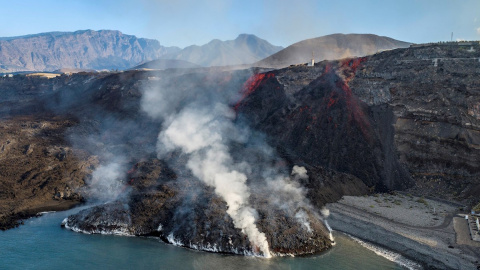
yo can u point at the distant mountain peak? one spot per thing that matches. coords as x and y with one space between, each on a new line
245 36
245 49
330 47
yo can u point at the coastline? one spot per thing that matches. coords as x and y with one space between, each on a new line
17 217
407 225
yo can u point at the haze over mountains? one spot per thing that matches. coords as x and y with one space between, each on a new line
86 49
161 64
330 47
108 49
245 49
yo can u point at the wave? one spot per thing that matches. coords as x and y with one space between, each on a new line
209 247
118 231
389 255
43 213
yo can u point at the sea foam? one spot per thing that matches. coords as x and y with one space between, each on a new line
389 255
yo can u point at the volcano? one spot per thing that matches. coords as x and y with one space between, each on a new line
384 122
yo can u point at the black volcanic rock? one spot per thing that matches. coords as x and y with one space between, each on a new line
387 121
330 47
325 125
87 49
433 91
245 49
187 213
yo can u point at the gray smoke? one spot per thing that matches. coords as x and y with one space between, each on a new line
200 133
202 124
107 182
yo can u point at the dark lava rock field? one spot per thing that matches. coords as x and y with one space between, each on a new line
404 119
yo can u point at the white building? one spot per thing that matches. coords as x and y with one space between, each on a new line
312 63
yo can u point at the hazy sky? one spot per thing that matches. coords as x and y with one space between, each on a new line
281 22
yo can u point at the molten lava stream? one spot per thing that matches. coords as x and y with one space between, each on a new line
251 85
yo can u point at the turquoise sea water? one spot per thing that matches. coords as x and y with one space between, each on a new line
42 244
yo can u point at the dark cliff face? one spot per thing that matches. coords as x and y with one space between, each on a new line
385 122
325 125
81 49
433 92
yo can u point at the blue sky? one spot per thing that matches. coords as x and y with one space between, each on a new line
281 22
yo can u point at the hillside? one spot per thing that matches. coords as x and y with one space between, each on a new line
330 47
245 49
86 49
404 119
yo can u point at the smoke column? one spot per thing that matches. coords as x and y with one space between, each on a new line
199 121
325 213
199 133
106 182
201 126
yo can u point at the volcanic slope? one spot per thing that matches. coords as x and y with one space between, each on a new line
356 125
419 105
330 47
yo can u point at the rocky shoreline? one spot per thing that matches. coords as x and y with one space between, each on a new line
388 121
14 219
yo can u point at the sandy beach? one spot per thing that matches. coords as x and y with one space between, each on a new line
430 232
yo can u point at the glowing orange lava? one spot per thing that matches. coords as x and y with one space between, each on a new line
252 84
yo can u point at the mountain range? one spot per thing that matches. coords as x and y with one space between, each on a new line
108 49
245 49
86 49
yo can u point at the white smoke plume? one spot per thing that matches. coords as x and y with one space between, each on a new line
199 132
325 212
201 123
289 195
299 172
302 217
106 183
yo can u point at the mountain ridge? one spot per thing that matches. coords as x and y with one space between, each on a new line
245 49
331 47
84 49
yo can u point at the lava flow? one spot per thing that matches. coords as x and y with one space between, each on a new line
348 69
251 85
350 66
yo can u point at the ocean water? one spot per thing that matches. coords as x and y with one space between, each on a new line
42 244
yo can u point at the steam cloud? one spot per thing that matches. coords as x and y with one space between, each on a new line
106 183
201 124
199 132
